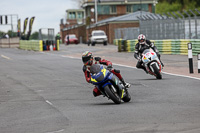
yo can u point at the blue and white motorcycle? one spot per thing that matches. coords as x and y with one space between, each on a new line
108 84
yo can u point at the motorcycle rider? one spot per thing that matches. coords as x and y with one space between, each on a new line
143 44
88 60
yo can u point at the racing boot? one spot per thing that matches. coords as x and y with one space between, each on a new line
96 92
160 59
162 63
127 85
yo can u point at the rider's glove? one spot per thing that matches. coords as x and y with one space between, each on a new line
109 67
139 59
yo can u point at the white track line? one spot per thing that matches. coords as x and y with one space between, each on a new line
49 102
57 131
6 57
136 68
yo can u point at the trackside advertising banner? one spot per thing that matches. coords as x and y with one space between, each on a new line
19 27
30 27
25 25
31 24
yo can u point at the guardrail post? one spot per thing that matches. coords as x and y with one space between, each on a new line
198 57
190 57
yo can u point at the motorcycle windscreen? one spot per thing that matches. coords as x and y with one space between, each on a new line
146 51
99 73
95 68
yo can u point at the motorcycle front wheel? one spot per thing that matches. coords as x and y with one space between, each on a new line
156 71
112 94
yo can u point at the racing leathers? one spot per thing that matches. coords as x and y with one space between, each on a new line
98 60
139 48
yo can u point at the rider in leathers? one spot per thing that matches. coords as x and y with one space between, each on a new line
140 47
88 60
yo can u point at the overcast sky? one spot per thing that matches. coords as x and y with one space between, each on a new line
47 12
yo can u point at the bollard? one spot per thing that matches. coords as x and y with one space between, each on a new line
190 57
198 58
80 40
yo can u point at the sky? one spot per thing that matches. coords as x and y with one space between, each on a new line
48 13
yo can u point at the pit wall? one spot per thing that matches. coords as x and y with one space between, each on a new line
172 46
9 42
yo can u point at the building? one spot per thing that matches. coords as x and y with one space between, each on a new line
74 17
112 14
112 8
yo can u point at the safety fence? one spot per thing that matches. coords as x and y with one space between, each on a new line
39 45
173 46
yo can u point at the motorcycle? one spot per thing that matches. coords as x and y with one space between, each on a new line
152 63
109 84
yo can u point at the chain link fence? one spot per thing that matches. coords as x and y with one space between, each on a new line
166 28
127 33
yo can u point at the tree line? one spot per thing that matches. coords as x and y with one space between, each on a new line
34 35
165 6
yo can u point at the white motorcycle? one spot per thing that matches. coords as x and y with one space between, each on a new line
152 63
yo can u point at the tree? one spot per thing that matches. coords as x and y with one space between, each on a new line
165 6
34 36
2 34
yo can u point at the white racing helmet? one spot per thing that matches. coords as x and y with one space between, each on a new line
141 39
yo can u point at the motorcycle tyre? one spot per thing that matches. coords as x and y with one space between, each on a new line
156 71
111 94
127 98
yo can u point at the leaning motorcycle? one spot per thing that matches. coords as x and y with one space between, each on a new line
152 63
109 84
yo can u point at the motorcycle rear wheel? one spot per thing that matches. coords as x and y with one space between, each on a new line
127 98
112 94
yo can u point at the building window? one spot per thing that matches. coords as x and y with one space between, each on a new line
113 9
80 15
129 8
72 15
103 9
88 10
138 7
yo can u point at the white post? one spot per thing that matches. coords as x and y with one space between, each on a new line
190 57
96 11
198 57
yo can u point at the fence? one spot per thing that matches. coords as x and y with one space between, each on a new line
127 33
158 27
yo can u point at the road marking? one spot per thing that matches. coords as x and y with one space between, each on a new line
162 72
6 57
49 102
136 68
56 131
181 75
70 57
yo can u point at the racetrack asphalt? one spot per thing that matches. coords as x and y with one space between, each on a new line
174 64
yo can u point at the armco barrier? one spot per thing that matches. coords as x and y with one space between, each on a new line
36 45
173 46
